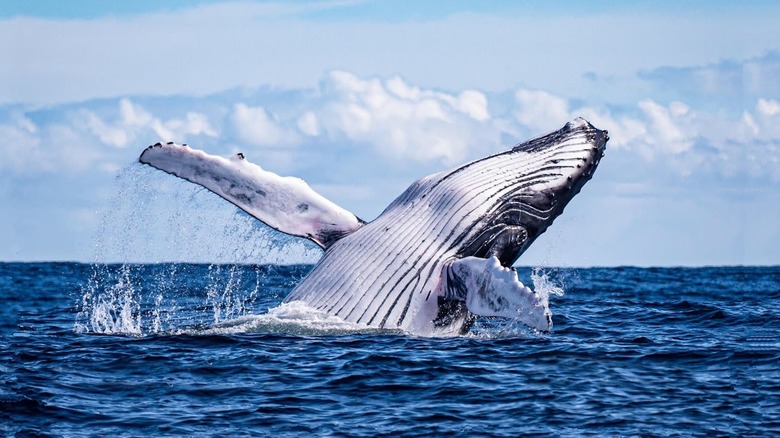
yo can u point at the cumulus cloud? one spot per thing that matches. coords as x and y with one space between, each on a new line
757 143
768 108
28 149
761 124
670 127
540 110
20 145
308 124
134 120
402 121
192 124
131 119
655 129
673 136
256 126
392 119
80 140
361 140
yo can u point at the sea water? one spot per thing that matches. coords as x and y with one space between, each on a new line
207 350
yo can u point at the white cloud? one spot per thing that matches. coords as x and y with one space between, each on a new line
178 129
671 128
309 124
75 141
768 108
540 110
54 148
352 129
405 122
474 104
390 118
21 120
118 134
750 126
761 125
758 134
134 121
68 152
256 126
20 146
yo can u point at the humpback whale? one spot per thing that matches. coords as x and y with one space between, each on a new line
439 254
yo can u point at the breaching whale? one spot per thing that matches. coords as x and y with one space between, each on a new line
439 254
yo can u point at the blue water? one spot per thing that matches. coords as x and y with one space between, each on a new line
150 350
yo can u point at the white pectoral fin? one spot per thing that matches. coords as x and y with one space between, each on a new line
489 289
286 204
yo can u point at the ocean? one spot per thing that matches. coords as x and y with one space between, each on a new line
207 350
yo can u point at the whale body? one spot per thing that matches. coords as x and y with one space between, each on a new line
439 254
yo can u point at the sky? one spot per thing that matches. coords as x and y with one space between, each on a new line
361 98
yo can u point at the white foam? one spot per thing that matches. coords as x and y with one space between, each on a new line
295 317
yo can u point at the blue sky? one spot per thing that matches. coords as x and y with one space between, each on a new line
362 98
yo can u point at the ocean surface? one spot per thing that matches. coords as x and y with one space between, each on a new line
207 350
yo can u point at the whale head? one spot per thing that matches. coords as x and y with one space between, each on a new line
544 174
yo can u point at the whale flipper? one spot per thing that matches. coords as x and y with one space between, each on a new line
286 204
489 289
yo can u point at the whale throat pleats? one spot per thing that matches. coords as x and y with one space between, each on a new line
387 273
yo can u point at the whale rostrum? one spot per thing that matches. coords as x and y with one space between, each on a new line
439 254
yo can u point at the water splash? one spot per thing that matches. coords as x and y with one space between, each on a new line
545 284
153 218
117 310
227 294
